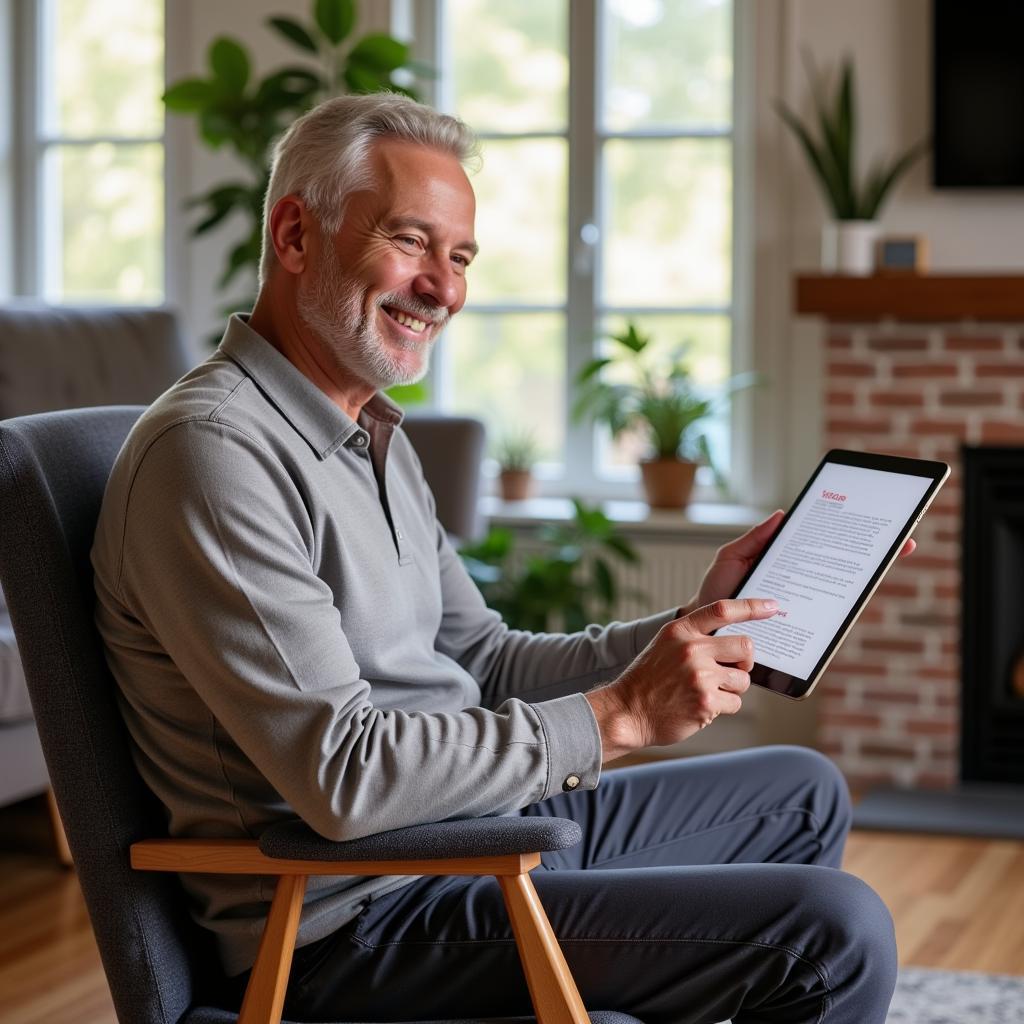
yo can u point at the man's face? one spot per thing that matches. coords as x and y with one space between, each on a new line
381 290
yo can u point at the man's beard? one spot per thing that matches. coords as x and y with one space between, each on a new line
332 307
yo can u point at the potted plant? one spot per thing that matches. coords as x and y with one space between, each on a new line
660 399
516 453
829 142
565 584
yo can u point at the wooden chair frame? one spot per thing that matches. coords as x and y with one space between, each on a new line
553 992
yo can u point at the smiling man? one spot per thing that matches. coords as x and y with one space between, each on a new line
292 634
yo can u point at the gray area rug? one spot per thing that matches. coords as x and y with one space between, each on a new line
925 996
995 812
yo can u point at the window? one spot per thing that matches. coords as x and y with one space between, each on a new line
605 194
90 139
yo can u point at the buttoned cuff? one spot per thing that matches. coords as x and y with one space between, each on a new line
573 743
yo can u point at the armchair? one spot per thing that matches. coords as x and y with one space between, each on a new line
58 358
53 470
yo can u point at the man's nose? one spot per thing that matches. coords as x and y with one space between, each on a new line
440 285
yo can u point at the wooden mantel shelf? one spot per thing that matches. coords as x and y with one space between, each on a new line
918 297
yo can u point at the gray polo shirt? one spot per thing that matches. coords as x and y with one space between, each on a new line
292 634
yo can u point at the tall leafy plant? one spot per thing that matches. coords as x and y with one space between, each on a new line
237 111
829 142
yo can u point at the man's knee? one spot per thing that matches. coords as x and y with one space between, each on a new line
855 932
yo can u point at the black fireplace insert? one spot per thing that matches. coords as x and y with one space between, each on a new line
992 691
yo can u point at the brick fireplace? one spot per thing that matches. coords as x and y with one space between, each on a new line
916 366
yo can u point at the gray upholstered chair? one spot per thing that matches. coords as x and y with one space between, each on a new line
451 451
53 470
61 358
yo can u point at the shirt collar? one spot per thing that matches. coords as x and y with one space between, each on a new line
321 423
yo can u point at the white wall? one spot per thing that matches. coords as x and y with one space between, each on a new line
890 43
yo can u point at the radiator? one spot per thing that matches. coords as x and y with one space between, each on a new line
667 574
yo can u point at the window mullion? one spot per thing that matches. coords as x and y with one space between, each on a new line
27 271
583 250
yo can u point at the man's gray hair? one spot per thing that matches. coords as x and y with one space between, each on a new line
325 155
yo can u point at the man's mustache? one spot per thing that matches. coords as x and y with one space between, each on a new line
436 315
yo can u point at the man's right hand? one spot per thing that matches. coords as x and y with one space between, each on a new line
681 682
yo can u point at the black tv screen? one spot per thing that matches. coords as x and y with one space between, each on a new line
978 108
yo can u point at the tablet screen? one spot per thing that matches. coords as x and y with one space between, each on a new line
824 558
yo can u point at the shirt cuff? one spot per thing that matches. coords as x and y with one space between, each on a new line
573 743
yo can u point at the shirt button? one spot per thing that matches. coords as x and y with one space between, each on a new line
400 535
571 782
359 440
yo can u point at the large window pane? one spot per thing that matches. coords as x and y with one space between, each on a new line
521 223
105 218
706 342
669 210
669 64
510 65
106 68
510 371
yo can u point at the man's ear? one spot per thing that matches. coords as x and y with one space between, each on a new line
290 224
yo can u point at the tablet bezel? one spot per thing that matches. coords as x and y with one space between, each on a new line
796 687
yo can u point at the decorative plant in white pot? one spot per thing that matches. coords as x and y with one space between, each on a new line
830 143
660 398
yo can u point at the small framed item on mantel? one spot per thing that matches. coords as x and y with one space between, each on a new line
903 254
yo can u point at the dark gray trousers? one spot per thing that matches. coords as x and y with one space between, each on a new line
704 889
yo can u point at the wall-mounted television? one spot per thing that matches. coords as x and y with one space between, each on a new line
978 93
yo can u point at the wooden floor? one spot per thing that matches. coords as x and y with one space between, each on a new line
958 904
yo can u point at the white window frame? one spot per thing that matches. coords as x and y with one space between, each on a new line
29 143
422 22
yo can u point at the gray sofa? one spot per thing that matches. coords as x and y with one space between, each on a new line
60 358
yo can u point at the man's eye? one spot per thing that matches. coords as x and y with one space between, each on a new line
409 241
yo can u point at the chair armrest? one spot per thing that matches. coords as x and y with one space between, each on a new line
477 846
472 837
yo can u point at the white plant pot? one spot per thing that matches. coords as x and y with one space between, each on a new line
848 247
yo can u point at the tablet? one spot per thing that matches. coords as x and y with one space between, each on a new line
827 558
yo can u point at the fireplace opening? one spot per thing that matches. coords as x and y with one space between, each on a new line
1017 677
992 675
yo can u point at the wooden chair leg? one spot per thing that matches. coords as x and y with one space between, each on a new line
264 996
556 1000
60 840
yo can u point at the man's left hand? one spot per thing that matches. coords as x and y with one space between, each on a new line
733 561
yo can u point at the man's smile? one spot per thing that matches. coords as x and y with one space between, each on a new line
406 320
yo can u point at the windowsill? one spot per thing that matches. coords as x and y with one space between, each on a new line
698 519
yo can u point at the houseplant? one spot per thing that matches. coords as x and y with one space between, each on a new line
829 141
516 453
567 582
659 398
243 114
